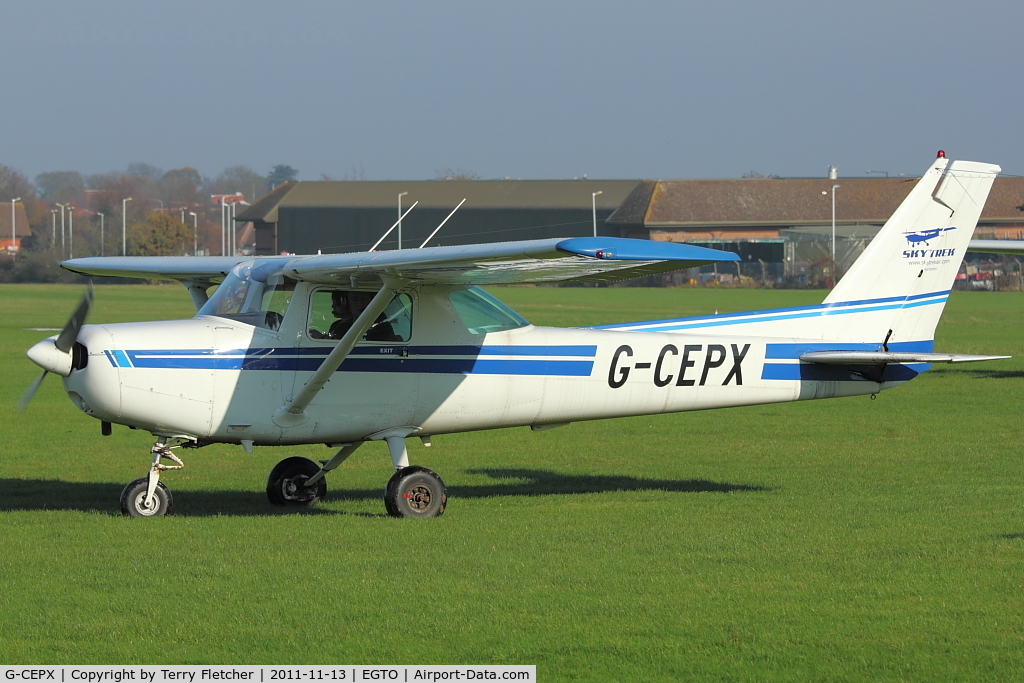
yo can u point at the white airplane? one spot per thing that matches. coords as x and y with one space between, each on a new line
342 349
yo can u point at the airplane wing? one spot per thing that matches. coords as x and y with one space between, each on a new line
576 259
212 268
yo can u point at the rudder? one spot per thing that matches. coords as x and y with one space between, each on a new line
904 276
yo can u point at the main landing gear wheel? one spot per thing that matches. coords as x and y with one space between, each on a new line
415 492
134 503
286 484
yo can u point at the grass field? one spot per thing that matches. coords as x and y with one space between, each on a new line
834 540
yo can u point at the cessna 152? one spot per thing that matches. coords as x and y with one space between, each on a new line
341 349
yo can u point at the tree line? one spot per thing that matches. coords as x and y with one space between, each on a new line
158 217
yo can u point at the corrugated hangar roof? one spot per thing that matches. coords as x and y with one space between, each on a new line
479 194
786 202
265 208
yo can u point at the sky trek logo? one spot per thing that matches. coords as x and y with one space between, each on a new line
922 238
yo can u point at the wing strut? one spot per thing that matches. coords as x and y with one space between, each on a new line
293 414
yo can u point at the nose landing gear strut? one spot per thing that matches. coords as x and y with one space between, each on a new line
148 496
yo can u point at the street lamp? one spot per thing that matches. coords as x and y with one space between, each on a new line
593 202
400 195
124 226
14 238
195 233
234 212
834 234
97 213
223 229
62 207
53 240
71 231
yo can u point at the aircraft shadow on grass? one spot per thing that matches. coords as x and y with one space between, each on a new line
983 373
48 494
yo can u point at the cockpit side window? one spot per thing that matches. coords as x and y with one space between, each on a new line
332 312
254 294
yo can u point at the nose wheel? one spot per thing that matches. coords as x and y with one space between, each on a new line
135 501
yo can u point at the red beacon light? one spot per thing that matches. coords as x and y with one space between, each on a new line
941 154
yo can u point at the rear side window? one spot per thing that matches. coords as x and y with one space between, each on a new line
482 313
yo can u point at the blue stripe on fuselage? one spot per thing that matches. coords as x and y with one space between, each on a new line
769 315
377 359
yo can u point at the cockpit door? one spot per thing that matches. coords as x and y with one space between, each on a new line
375 388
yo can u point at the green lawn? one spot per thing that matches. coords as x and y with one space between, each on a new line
834 540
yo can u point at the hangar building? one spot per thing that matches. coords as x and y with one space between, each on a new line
780 226
341 216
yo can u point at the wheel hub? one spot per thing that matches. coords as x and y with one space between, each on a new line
419 497
295 489
144 506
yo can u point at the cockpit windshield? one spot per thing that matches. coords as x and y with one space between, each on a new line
255 293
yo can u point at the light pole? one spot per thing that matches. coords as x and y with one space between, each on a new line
124 226
14 237
62 207
400 195
195 233
53 240
97 213
593 202
101 232
834 279
234 211
71 231
223 229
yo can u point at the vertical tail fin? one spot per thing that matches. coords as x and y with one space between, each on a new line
905 274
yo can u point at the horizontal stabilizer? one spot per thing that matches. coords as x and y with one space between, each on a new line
884 357
997 246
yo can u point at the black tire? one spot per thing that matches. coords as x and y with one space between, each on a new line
285 485
415 492
134 494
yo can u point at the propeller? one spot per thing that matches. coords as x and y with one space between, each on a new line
54 355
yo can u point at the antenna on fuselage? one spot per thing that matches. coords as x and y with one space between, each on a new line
395 225
442 223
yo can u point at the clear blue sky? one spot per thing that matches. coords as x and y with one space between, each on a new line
526 89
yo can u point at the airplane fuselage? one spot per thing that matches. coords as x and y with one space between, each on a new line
219 380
